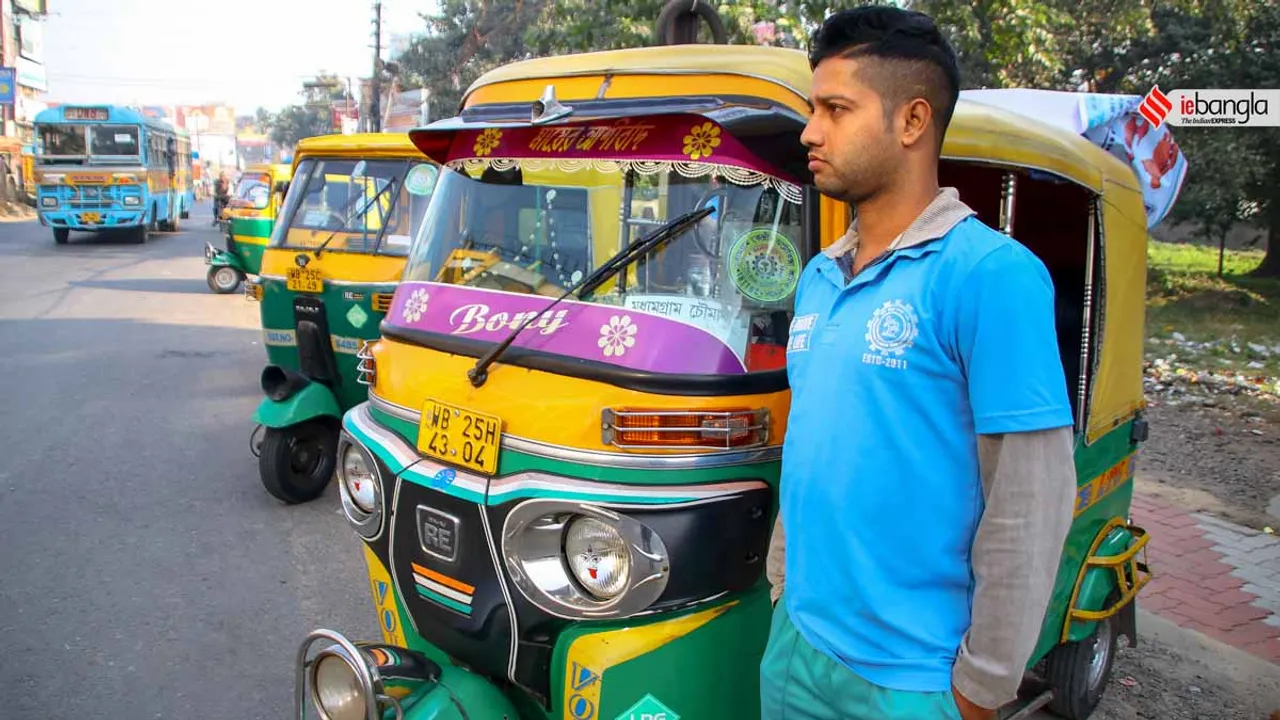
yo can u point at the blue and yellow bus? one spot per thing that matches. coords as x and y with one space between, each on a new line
105 167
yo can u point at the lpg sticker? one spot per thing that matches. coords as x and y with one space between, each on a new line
649 708
357 316
764 265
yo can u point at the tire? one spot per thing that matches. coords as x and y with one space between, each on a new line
174 224
141 233
61 235
1078 672
223 279
155 220
297 463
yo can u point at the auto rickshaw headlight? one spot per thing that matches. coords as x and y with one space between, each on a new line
338 692
598 556
360 487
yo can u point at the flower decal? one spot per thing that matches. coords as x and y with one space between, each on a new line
701 141
487 141
416 306
617 336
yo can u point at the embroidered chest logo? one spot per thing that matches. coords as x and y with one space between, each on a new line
891 330
801 329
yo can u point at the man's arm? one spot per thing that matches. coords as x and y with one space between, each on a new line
1029 483
775 561
1007 344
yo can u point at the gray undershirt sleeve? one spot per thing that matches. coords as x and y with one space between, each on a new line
1029 482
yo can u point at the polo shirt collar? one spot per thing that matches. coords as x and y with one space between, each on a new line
944 213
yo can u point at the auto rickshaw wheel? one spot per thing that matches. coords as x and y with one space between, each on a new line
61 235
297 463
223 279
1078 671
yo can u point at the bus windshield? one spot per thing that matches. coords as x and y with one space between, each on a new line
114 141
62 140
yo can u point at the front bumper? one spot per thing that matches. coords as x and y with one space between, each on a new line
85 220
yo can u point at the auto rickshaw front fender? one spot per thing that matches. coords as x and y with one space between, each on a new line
313 400
458 695
222 258
1110 570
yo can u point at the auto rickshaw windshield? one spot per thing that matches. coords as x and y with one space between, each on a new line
361 206
538 228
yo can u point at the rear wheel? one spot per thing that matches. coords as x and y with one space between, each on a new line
61 235
1079 671
296 463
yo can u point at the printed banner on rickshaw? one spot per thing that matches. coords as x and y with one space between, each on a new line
626 337
667 138
1113 123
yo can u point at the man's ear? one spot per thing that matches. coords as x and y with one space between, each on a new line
916 121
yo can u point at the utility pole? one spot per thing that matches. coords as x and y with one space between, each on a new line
375 102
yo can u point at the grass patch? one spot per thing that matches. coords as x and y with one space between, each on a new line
1186 296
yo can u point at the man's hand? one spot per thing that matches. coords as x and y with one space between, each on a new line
969 711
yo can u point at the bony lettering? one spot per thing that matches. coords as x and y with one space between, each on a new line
473 318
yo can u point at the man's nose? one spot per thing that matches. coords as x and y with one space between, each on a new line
812 135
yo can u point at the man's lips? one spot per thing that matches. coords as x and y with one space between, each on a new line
815 162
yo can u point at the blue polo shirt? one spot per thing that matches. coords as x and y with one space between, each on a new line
894 374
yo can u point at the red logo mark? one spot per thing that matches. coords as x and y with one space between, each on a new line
1155 107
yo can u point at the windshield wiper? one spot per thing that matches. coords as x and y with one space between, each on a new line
611 267
391 208
363 211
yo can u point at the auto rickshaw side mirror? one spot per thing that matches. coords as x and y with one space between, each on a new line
1141 430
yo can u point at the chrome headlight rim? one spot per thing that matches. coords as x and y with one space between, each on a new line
533 552
369 525
367 677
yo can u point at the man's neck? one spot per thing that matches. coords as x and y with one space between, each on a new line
884 218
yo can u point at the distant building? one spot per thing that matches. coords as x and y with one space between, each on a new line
23 83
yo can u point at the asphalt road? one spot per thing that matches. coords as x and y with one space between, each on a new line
144 571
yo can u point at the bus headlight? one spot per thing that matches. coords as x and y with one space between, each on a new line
360 487
49 202
598 556
132 200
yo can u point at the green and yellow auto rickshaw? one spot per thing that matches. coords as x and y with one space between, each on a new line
564 478
248 219
327 277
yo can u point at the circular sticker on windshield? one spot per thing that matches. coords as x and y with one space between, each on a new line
764 265
421 180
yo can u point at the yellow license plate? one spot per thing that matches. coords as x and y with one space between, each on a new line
303 280
460 437
92 218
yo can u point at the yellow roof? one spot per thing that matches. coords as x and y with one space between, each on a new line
977 131
385 144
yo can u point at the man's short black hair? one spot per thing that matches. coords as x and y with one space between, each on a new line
913 58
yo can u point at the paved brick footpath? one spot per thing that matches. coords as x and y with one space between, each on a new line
1212 576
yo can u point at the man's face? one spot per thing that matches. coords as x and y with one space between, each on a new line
852 152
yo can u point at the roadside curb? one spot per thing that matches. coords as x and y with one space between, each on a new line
1238 664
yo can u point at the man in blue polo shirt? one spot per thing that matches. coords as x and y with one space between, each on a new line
927 473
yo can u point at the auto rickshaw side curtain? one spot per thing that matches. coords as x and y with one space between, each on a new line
1117 387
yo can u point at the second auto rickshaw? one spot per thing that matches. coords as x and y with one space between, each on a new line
249 219
326 282
564 478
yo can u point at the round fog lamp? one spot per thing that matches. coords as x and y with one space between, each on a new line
358 478
598 557
337 689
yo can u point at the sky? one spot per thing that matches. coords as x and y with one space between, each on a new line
245 53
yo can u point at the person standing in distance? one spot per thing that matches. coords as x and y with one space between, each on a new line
928 481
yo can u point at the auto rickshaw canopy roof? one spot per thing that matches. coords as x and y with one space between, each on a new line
362 145
978 133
